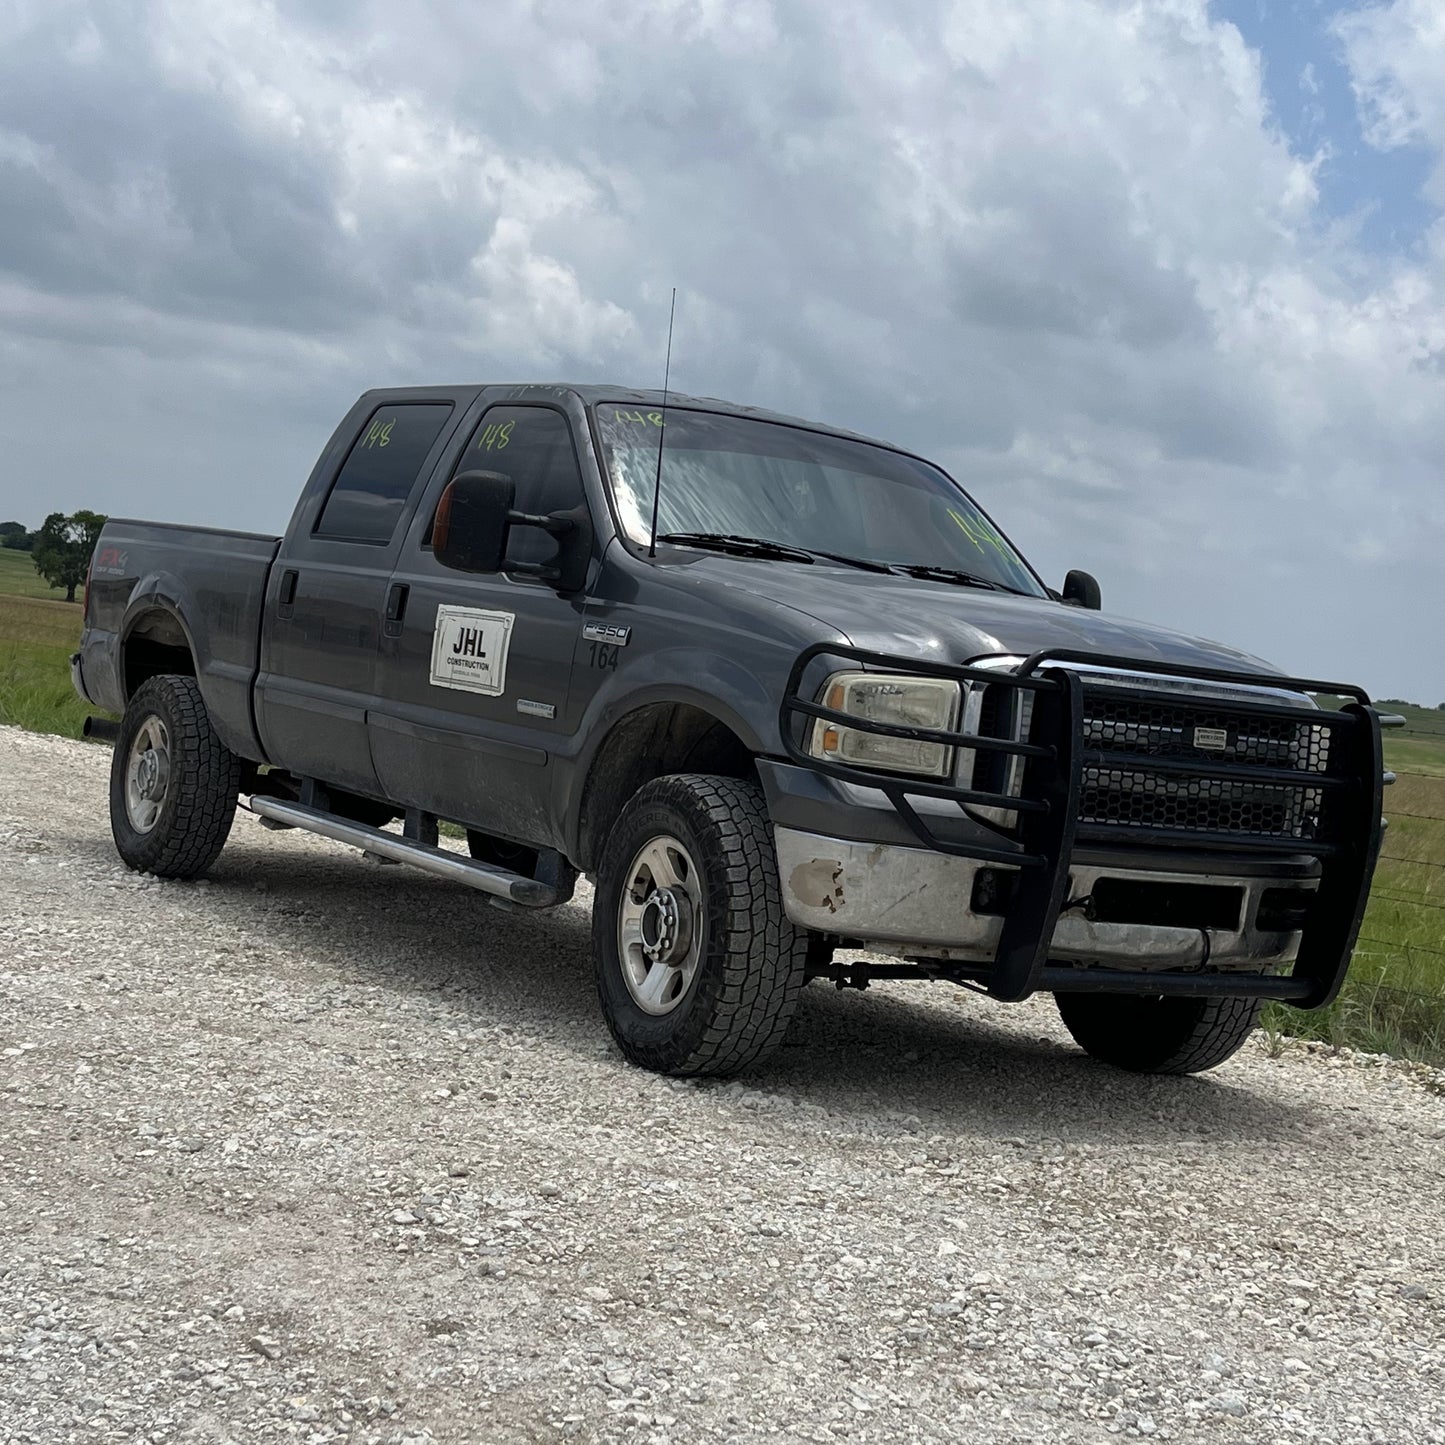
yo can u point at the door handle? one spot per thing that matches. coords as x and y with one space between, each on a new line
287 595
395 609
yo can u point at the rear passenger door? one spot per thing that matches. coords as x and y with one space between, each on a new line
326 596
470 737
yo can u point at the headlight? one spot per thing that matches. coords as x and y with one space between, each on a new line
915 702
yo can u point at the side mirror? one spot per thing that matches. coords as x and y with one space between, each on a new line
473 519
1081 590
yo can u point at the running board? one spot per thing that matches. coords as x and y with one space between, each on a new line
485 877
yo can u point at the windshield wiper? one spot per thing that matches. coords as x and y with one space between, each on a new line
762 547
929 573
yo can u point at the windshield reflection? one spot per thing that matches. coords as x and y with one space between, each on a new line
741 477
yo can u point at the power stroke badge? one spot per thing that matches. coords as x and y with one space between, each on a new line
469 650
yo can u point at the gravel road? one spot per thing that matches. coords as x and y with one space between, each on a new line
320 1150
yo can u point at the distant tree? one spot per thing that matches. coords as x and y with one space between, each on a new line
63 546
15 535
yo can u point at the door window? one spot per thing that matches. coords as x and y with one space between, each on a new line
371 489
533 446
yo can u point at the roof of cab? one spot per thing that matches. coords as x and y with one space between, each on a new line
592 392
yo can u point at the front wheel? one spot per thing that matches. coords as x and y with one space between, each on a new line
698 969
173 782
1155 1035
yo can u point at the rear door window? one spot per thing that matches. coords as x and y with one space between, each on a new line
370 491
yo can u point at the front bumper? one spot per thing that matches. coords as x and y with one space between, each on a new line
1159 782
917 903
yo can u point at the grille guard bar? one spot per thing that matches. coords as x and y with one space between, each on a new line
1047 807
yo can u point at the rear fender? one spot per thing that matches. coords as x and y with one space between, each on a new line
225 685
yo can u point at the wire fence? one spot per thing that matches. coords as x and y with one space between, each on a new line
1400 947
1394 997
1412 902
1418 862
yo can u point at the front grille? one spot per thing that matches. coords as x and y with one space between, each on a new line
1131 795
1167 730
1136 799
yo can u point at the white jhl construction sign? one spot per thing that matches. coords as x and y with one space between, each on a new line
469 650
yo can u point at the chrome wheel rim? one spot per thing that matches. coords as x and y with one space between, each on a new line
147 774
660 925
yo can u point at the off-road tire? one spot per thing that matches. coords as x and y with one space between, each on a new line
205 778
1147 1034
752 960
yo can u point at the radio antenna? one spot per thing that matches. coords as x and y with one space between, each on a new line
662 428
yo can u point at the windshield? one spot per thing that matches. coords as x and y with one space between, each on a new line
737 476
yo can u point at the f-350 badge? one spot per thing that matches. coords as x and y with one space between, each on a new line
606 632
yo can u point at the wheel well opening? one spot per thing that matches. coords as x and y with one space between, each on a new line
651 743
157 644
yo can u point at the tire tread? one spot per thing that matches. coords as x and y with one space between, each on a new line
195 824
750 1002
1158 1036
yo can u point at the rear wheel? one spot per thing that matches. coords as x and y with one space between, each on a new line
173 782
1154 1035
698 969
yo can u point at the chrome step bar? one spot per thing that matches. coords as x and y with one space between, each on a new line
485 877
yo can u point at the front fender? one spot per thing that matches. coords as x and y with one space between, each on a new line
741 695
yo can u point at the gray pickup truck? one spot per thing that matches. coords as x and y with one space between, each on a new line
786 694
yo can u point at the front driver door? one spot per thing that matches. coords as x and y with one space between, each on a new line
474 687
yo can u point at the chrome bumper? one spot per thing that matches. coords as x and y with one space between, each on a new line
916 902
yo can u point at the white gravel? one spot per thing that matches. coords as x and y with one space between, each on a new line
320 1150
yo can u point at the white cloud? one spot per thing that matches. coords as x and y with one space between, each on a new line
1058 244
1396 54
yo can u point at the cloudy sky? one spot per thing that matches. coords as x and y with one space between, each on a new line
1162 282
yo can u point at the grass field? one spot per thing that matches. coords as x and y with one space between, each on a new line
1419 746
38 632
18 577
1393 1002
1394 998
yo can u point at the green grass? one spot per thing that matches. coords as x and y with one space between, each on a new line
1419 746
18 577
1407 753
1393 1001
37 636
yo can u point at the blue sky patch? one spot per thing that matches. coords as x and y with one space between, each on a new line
1308 87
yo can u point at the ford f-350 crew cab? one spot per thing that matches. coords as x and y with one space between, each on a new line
787 694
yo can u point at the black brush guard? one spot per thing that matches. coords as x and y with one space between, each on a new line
1344 837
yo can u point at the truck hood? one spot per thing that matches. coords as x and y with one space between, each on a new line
949 623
